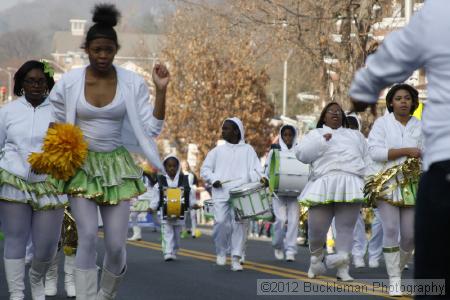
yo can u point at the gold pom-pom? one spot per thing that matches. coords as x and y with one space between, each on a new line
65 151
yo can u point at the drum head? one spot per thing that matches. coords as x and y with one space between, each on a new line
246 187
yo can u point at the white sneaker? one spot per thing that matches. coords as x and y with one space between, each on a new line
242 259
169 257
221 260
235 265
290 257
358 262
374 263
279 254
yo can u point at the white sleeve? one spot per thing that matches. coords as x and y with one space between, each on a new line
377 147
400 54
154 202
2 129
256 171
152 126
208 166
58 102
311 147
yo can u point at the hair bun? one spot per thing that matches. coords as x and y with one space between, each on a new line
106 14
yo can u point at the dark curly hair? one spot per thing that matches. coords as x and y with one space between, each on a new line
403 86
321 121
105 16
19 76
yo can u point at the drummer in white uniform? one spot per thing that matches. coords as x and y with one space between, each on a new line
285 207
171 227
226 167
335 189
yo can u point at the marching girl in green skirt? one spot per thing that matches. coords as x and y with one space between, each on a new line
111 106
29 204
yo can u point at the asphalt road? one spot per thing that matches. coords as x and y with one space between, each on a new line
194 275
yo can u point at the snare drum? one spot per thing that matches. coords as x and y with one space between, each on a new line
208 209
288 176
173 204
251 200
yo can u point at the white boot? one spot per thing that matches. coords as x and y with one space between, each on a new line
36 273
69 279
109 283
404 258
15 274
338 259
392 259
51 278
342 273
316 267
137 234
341 261
86 284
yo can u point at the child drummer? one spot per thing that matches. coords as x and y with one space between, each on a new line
286 208
226 167
171 227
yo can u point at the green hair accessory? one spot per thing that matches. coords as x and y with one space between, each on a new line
48 69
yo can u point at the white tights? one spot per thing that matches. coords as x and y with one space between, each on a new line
319 221
19 221
397 221
115 227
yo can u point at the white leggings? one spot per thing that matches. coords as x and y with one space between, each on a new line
397 221
319 221
19 221
115 227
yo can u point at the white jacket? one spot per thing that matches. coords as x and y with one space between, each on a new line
387 133
424 42
346 151
140 127
237 162
22 131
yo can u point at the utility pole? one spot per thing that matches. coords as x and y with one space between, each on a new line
409 9
285 82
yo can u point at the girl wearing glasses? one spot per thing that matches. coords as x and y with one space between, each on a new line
28 204
335 188
113 109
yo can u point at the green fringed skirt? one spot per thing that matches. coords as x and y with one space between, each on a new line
106 178
41 195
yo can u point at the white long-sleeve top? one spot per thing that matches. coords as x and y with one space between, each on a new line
424 42
139 127
236 162
22 131
346 151
388 133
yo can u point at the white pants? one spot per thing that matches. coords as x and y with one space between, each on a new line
227 231
170 236
191 220
285 237
375 244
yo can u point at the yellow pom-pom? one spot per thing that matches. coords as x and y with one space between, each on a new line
65 151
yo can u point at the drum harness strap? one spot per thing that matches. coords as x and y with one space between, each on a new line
183 181
274 170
